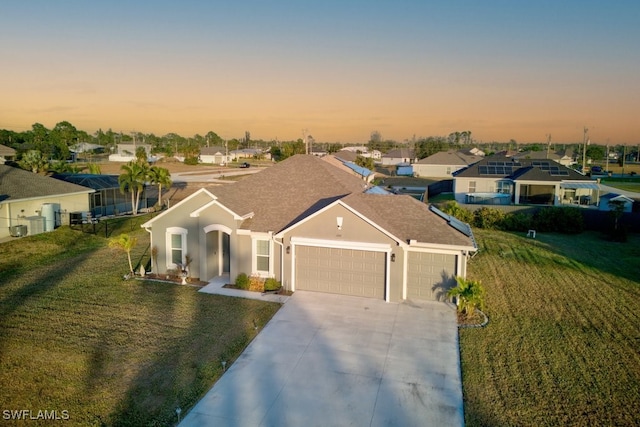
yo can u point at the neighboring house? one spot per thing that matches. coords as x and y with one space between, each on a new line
563 157
311 226
107 199
249 153
346 155
445 163
400 155
7 154
31 203
605 205
361 172
214 155
503 180
365 152
319 151
127 153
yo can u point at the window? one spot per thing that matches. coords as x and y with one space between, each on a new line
176 246
472 186
504 187
262 260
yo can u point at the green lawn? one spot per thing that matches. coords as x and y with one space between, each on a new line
563 343
75 336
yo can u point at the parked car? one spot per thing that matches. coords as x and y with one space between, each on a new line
244 165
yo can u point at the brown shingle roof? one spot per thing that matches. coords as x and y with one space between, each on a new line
16 184
407 219
284 193
6 151
451 157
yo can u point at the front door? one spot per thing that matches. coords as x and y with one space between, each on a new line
226 257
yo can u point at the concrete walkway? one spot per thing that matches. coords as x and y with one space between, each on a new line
331 360
216 286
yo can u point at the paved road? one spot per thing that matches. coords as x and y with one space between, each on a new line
211 176
331 360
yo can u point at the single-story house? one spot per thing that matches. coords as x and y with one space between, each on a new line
399 155
107 199
7 154
564 157
609 200
360 171
127 153
249 153
444 163
312 226
31 203
215 155
503 180
364 151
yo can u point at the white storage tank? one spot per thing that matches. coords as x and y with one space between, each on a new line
49 214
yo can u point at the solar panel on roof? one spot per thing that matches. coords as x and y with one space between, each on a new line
483 170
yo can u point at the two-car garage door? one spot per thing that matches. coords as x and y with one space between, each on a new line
340 271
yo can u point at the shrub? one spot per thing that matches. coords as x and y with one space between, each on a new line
271 284
454 209
561 220
488 218
517 221
256 283
242 281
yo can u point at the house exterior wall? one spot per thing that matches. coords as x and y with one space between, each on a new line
323 227
483 185
435 171
179 216
15 213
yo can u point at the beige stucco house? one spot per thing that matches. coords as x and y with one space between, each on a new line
31 203
314 227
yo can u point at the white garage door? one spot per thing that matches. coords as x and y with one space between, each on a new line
340 271
429 275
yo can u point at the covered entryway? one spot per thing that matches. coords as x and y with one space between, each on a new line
340 271
430 275
217 254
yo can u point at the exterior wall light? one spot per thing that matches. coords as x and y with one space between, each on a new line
339 222
288 250
393 257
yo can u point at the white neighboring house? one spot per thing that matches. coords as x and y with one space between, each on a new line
127 153
605 200
214 155
364 152
400 155
445 163
6 154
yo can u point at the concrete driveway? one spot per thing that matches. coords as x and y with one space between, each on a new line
332 360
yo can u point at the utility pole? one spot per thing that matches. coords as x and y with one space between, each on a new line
548 144
304 138
584 150
607 157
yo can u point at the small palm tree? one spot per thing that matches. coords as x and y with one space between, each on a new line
160 177
126 243
469 295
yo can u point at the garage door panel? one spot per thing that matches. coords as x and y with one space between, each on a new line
430 275
341 271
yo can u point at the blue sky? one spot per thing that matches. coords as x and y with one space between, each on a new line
502 69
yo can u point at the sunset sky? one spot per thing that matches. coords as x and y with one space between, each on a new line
510 69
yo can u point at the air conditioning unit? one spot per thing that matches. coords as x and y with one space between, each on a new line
18 230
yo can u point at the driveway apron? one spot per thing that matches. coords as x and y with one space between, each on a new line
334 360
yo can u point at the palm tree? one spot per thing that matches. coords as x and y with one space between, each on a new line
160 177
469 295
34 161
132 181
126 243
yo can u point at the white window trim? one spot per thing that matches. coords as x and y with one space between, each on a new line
168 256
254 255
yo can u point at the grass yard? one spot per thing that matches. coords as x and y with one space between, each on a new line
563 343
75 336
